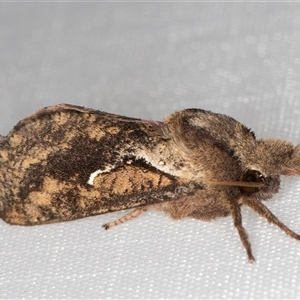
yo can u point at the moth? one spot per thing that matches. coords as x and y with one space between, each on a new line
67 162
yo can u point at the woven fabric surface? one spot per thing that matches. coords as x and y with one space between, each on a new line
147 60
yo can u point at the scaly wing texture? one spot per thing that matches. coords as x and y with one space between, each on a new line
67 162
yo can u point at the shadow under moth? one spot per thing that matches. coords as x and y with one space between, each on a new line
67 162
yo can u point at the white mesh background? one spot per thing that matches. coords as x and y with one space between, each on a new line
147 60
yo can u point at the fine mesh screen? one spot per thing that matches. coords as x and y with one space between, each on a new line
147 60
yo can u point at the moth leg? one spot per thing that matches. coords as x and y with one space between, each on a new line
125 218
237 220
263 211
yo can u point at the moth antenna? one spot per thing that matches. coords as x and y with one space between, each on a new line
238 183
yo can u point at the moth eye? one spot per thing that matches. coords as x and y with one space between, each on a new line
252 176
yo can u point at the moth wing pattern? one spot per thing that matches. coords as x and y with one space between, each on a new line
67 162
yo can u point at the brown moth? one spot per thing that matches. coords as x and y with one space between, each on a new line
67 162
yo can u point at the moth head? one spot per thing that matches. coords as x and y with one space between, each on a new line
259 186
255 177
272 158
254 184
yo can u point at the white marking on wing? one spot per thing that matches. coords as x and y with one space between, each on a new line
96 173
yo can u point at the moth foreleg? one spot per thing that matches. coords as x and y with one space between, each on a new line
237 220
263 211
125 218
